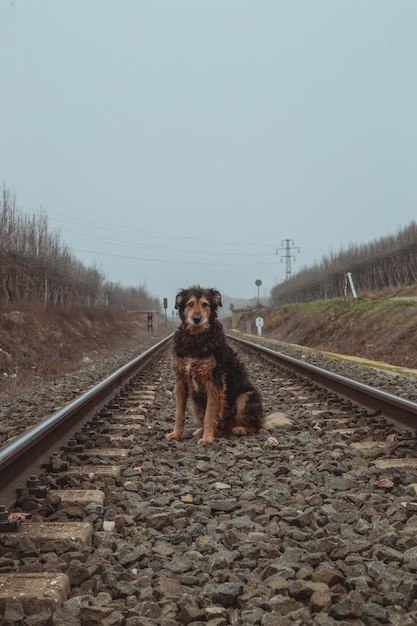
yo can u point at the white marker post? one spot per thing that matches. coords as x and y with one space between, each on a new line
352 286
259 323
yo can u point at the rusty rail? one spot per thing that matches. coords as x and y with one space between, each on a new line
400 412
26 454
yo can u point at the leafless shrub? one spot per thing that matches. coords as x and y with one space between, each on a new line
35 264
381 264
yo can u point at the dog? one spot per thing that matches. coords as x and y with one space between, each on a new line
210 373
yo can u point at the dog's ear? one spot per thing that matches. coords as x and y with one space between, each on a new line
181 295
216 297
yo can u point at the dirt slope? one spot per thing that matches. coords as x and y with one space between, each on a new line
44 344
382 328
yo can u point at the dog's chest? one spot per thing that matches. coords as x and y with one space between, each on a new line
196 371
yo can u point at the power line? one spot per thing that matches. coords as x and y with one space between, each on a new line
170 261
60 218
153 246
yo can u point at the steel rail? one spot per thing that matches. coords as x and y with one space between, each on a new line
400 412
25 454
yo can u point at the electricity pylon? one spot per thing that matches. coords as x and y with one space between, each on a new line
289 247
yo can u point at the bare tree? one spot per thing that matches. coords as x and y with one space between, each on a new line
381 264
34 263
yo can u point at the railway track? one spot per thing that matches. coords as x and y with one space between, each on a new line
401 412
314 524
26 454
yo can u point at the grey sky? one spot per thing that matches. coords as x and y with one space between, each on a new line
181 141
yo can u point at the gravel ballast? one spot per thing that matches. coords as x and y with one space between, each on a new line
293 526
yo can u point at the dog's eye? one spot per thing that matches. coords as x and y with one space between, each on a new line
190 304
205 305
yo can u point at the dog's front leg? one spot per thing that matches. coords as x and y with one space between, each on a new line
211 416
181 394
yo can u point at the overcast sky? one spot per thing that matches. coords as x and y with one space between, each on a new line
181 141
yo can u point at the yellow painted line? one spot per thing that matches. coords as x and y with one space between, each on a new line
346 357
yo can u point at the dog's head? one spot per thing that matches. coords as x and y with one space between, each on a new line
197 307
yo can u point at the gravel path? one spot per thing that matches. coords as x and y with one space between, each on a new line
294 526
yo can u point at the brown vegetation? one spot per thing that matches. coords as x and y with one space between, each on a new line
385 263
34 264
382 327
40 343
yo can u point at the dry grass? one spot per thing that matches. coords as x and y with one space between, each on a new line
44 343
373 326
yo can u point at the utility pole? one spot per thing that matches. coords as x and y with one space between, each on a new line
289 247
258 283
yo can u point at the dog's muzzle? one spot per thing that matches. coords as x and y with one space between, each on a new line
196 319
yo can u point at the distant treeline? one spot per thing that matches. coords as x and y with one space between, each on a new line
382 264
35 264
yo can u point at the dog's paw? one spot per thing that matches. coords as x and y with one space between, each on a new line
173 435
241 431
207 439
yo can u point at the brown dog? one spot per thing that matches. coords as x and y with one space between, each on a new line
210 373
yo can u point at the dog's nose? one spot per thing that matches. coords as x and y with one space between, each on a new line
196 319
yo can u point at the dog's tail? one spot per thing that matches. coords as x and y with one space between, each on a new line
277 420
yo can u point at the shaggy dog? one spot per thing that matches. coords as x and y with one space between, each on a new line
210 373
